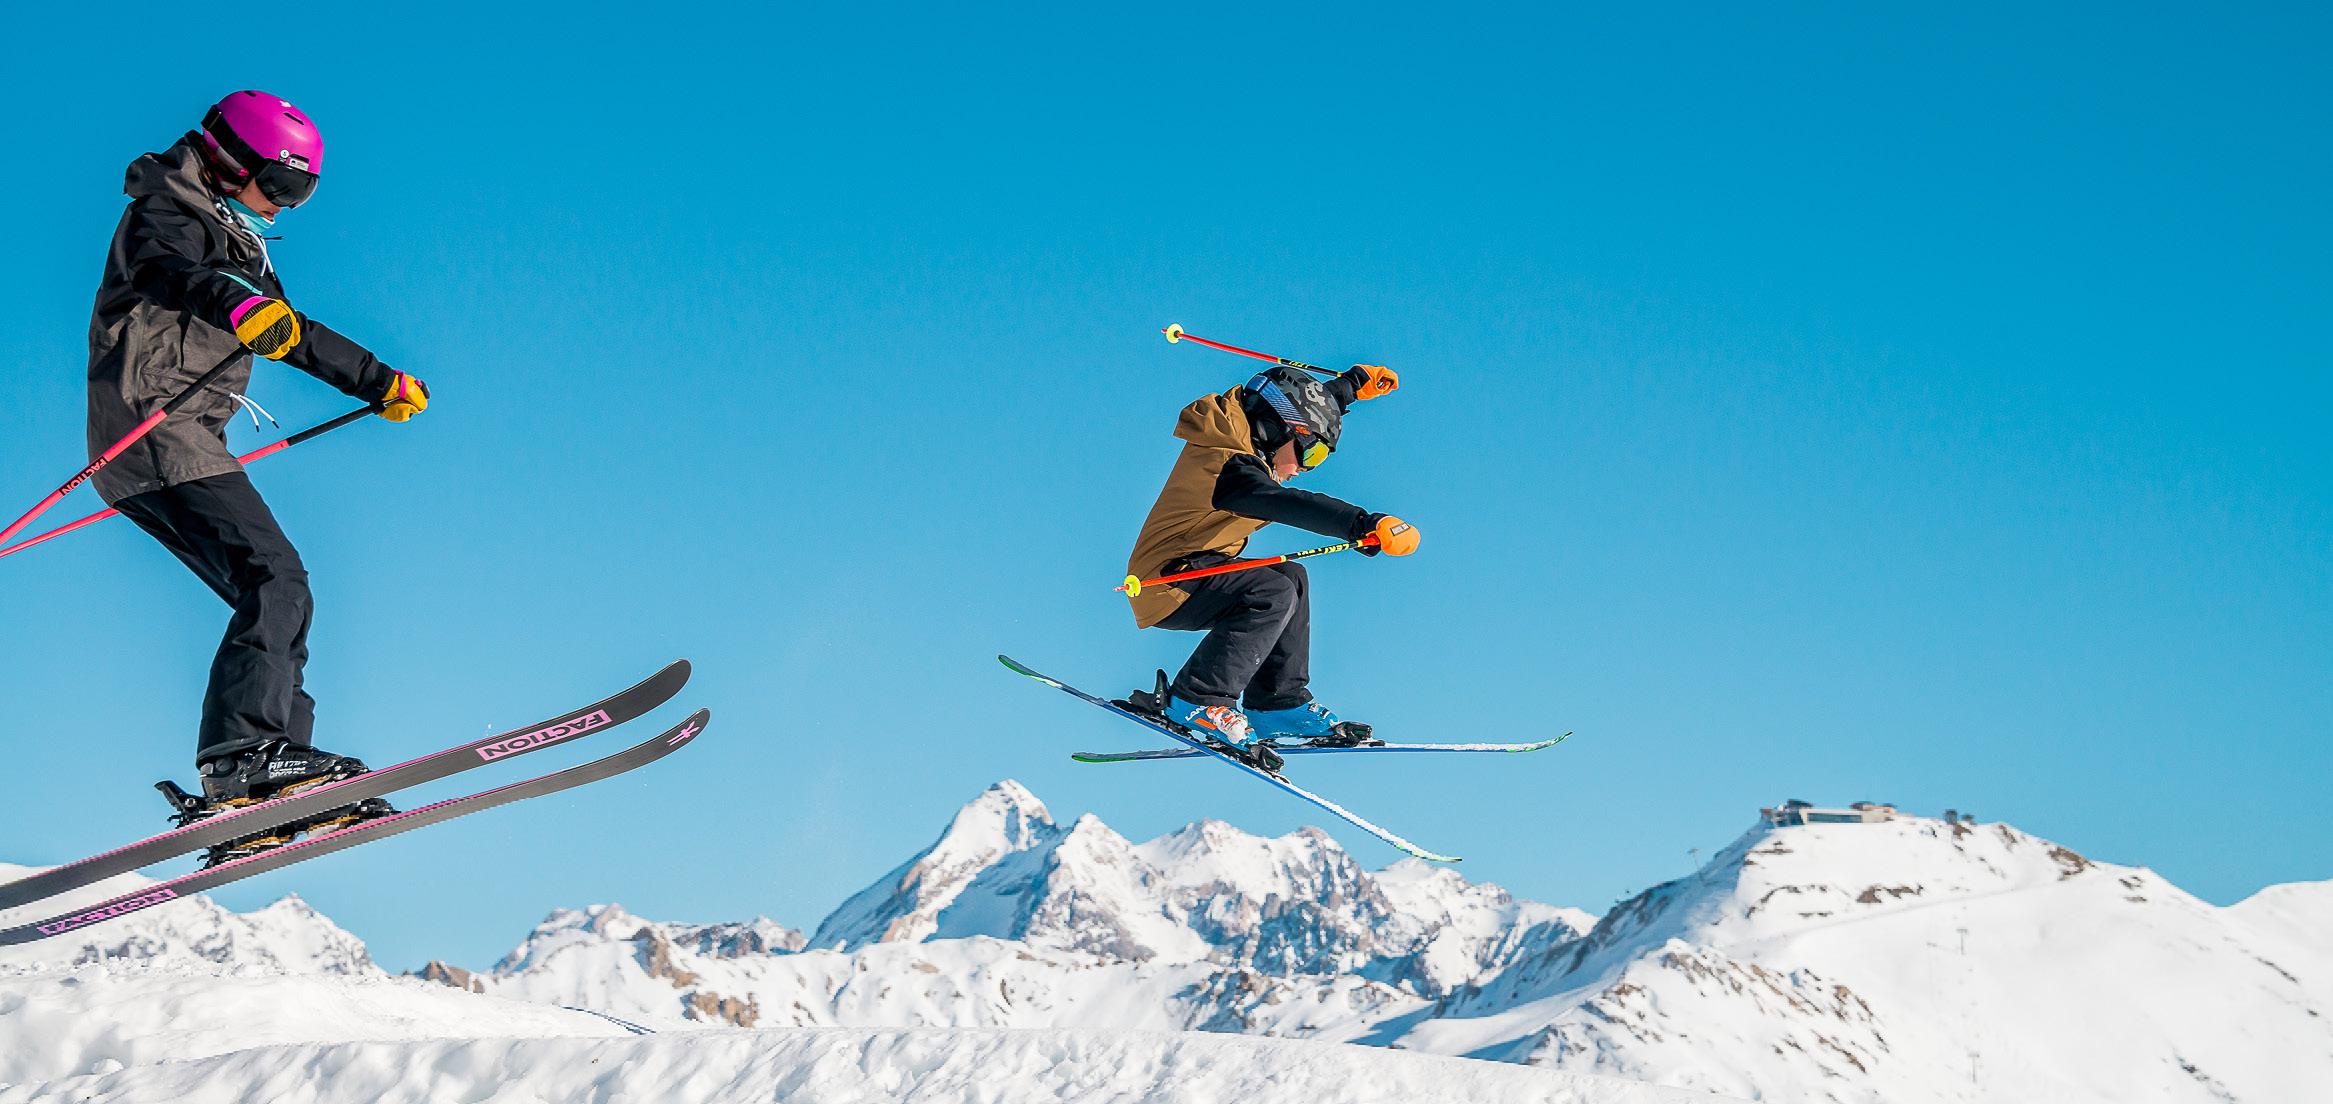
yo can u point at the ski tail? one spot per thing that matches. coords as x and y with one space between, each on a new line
1331 807
253 820
638 755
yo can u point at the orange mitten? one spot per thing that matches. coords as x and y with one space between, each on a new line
1395 537
1373 381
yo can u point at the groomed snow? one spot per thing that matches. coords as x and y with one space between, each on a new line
104 1017
847 1066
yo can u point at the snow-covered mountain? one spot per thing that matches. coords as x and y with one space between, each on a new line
1909 960
1920 960
286 937
1914 959
1011 920
194 980
193 1003
1294 905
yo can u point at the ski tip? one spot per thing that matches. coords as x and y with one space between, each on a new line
1174 332
1014 666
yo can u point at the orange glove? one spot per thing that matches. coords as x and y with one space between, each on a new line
1394 536
1372 381
407 397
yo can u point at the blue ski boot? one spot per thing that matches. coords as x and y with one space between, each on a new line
1221 725
1224 725
1310 722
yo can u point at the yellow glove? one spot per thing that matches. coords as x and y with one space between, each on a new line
266 326
407 397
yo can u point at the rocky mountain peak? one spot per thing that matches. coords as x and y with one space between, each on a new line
905 906
1295 904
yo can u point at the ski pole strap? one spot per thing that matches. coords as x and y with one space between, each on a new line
107 456
257 454
1174 332
1134 584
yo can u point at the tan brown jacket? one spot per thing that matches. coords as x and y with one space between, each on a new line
1187 521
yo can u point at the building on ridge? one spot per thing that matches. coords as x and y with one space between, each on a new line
1795 812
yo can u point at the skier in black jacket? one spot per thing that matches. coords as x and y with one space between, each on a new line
187 280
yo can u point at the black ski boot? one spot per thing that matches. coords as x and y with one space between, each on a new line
270 771
263 774
267 773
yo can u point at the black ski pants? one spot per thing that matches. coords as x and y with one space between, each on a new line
1259 636
223 531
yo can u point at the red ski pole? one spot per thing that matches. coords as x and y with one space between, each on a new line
1134 584
255 454
144 428
1174 332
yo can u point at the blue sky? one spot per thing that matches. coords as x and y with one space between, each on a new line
1810 402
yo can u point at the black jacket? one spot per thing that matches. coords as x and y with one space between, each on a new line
1245 487
161 320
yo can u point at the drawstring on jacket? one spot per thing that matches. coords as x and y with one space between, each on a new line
255 410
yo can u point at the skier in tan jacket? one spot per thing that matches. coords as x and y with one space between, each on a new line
1246 682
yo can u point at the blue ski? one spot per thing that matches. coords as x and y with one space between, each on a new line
1311 749
1201 748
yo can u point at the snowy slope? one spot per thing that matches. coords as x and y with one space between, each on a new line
2295 923
847 1067
104 1017
1917 960
192 980
1906 961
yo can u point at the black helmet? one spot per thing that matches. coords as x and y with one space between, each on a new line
1285 404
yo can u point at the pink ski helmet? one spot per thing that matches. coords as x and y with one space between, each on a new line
254 136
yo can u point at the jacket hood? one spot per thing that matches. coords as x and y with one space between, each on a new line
175 173
1216 421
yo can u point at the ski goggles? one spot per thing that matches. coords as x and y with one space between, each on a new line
284 185
1311 451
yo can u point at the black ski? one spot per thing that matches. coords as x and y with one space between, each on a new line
252 820
641 754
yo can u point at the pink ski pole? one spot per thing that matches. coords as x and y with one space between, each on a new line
248 457
144 428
